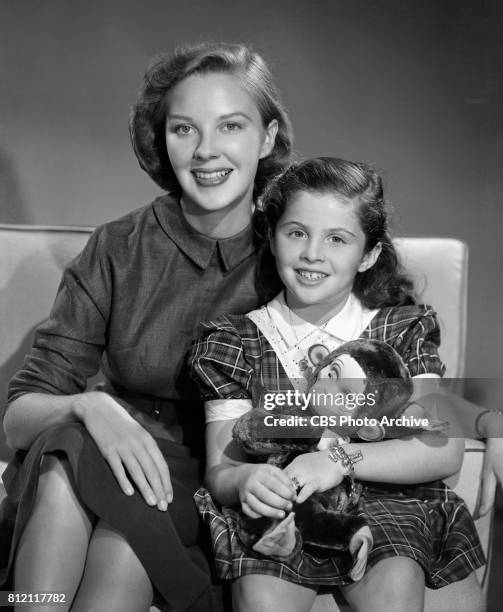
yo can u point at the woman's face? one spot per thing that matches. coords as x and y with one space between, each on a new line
215 138
319 247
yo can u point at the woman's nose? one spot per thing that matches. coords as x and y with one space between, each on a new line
206 147
313 251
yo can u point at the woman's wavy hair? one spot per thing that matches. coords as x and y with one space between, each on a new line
385 283
148 115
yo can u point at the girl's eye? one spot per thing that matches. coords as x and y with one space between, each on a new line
335 239
231 127
183 130
297 234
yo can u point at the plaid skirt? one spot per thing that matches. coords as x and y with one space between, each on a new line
429 524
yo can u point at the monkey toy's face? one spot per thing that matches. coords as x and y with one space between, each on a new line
337 386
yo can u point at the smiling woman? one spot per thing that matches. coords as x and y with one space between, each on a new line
100 495
215 138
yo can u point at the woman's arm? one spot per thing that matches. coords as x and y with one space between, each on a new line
32 413
260 489
473 421
132 453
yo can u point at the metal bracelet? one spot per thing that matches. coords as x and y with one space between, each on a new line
477 422
338 455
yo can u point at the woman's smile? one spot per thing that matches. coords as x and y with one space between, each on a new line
210 178
215 138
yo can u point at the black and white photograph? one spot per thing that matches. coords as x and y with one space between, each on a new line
250 305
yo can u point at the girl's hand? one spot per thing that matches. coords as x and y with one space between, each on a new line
127 446
314 472
264 490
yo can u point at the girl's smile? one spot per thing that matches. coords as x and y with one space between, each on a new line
215 138
319 248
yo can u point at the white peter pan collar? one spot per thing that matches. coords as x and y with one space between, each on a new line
348 324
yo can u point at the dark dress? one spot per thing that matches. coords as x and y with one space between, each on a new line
130 303
428 523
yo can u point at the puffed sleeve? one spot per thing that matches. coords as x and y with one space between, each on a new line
419 345
67 347
219 364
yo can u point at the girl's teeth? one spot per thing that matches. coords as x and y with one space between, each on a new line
311 275
211 175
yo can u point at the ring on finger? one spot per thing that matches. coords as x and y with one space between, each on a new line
295 482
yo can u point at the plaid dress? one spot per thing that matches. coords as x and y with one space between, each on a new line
428 523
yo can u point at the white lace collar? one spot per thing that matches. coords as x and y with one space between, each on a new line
346 325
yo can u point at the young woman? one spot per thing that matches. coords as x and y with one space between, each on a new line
98 507
326 225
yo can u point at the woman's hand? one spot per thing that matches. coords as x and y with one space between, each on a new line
127 446
491 427
492 473
314 472
264 490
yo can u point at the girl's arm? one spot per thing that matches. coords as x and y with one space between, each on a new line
427 457
422 458
260 489
411 460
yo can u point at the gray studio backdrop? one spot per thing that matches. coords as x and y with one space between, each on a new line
412 87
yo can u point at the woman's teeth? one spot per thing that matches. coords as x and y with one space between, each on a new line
200 174
311 275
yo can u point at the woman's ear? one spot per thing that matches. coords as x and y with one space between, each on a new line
270 139
369 259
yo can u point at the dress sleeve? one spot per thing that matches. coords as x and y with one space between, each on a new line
419 346
67 347
218 364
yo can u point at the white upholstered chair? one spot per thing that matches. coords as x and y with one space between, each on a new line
31 262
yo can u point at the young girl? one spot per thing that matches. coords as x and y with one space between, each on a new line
327 229
98 508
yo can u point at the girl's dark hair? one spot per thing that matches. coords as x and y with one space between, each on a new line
385 283
148 116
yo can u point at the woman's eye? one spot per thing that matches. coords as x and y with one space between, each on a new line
231 127
183 130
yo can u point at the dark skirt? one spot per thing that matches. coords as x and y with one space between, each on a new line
429 524
165 542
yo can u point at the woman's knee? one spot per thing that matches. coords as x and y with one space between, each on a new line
56 482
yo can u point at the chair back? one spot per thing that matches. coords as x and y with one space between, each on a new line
32 259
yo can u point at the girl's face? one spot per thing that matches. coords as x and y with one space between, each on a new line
215 138
319 247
